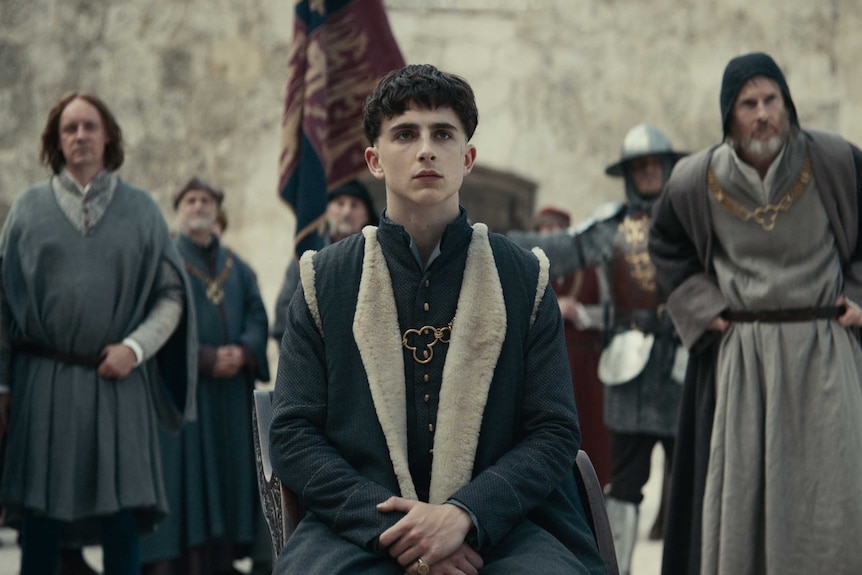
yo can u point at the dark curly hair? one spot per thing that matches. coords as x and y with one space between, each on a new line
51 153
425 86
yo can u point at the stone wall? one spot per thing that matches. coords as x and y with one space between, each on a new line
559 83
197 86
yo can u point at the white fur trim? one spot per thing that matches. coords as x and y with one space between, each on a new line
542 284
306 276
378 337
475 346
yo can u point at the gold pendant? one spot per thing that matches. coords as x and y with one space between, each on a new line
214 293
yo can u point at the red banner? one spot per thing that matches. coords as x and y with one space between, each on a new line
340 50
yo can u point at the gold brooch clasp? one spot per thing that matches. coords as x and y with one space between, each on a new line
440 335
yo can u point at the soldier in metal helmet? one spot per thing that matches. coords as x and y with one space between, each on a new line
643 364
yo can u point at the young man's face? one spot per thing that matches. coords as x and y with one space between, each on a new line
423 155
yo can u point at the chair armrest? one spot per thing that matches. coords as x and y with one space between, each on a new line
594 501
281 507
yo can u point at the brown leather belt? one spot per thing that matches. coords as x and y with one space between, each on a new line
786 315
92 361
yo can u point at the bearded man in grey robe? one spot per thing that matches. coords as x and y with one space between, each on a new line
757 242
95 312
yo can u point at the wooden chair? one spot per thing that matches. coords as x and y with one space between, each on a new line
282 510
594 504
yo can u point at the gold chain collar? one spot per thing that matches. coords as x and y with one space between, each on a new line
766 215
441 334
215 293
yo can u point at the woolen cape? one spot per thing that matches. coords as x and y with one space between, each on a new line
79 446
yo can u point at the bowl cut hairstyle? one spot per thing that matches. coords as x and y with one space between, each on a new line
422 85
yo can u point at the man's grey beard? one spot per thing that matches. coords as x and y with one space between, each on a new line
339 228
759 148
197 224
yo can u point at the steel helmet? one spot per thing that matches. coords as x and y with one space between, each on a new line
643 140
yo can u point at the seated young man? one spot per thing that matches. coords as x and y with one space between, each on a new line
423 405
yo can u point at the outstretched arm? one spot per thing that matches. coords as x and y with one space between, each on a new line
575 248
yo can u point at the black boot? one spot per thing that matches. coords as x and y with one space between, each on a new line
72 563
656 532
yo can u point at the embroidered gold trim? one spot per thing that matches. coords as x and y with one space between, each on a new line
635 233
441 335
214 290
766 215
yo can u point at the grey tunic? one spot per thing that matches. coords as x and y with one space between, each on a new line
79 446
782 493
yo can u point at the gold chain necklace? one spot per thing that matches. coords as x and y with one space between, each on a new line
215 293
441 334
766 215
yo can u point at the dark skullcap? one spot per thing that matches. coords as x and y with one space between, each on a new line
356 189
740 70
196 183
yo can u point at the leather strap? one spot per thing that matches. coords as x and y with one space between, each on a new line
91 361
786 315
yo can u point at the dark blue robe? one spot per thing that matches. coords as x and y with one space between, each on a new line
209 468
